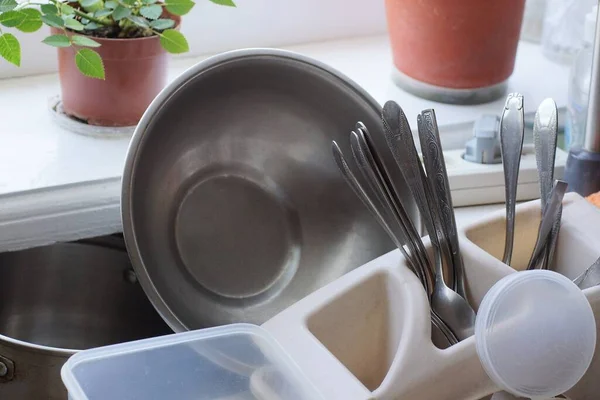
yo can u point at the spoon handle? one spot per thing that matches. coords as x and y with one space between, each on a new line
437 176
443 328
548 220
368 201
358 189
511 140
590 277
367 164
401 144
552 241
545 128
400 141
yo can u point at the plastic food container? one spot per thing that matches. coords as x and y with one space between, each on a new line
535 334
237 361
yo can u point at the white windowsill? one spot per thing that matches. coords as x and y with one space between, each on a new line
56 185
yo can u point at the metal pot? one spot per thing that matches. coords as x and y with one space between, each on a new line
59 299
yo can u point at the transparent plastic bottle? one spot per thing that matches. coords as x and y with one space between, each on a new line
563 28
579 86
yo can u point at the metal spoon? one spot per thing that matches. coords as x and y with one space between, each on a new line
549 219
545 128
358 189
431 148
371 166
402 146
590 277
376 180
365 159
363 149
353 182
450 305
395 225
511 140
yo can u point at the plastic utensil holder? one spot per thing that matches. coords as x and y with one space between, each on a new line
367 335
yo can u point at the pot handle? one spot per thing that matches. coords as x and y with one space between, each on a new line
7 369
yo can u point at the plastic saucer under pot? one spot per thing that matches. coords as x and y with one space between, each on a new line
535 334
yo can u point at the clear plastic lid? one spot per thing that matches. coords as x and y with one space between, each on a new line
238 361
535 334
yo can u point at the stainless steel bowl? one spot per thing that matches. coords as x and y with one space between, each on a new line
59 299
233 208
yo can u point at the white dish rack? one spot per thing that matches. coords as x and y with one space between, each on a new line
367 335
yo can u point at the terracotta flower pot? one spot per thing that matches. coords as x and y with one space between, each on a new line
135 71
458 51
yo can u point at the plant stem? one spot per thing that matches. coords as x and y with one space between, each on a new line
27 3
89 17
76 11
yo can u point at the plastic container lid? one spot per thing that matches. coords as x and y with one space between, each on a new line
535 334
240 361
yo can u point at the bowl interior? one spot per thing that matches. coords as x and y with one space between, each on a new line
236 205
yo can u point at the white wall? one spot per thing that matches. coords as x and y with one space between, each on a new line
254 23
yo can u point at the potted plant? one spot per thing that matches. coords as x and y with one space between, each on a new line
460 51
112 54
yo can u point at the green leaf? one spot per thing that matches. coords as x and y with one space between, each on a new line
32 21
48 9
73 24
84 41
88 3
66 9
179 7
121 12
128 2
7 5
139 21
10 49
151 12
25 20
173 41
149 1
111 4
228 3
57 41
10 19
91 26
91 5
53 20
90 63
161 24
103 13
